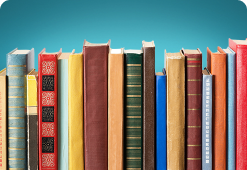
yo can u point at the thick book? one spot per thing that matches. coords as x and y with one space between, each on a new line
160 121
115 109
231 108
217 64
133 109
175 69
240 48
193 109
3 120
62 111
207 133
95 105
19 63
47 119
32 120
148 105
76 151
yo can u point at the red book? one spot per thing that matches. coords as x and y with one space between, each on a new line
47 95
240 48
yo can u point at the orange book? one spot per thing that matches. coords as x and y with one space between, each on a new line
217 66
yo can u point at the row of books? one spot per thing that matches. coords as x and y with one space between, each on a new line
108 109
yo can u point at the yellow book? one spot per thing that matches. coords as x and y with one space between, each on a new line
76 152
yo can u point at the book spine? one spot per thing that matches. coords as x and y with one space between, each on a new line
16 72
76 151
161 122
47 112
32 123
207 122
63 153
148 108
133 111
194 111
95 107
115 111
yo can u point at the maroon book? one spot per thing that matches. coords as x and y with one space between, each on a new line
95 105
193 109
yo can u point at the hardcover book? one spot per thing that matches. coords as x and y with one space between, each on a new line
47 95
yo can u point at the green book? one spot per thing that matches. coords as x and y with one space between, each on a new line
133 109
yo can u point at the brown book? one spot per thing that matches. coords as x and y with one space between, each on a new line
3 120
148 105
175 69
193 109
217 67
95 105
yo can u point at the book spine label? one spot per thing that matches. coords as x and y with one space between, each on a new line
16 72
133 111
76 151
207 122
63 151
161 122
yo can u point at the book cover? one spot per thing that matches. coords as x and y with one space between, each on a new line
115 109
47 95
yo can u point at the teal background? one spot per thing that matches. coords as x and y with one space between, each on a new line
171 24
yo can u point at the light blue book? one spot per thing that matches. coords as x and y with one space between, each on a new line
207 120
19 63
63 153
231 114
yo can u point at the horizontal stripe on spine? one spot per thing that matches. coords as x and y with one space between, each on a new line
133 168
16 168
133 147
133 85
133 106
134 96
193 59
194 94
194 158
194 126
17 138
16 127
16 65
132 75
16 86
16 159
134 65
16 76
16 117
133 116
14 97
193 65
137 127
17 148
194 80
134 137
193 109
16 106
194 145
133 158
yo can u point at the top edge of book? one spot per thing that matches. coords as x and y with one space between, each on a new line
33 73
116 51
148 44
240 42
86 43
3 72
187 51
133 51
206 71
178 55
16 51
228 50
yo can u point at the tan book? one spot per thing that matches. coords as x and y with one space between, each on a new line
175 69
3 115
115 109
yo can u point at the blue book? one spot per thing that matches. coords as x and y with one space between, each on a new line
207 120
63 112
160 121
231 114
19 63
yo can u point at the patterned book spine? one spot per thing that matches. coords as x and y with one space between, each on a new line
207 121
133 110
48 111
32 121
3 120
160 121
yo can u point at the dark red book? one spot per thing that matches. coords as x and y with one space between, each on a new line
95 105
47 104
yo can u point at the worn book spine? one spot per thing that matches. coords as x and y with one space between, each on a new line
148 105
207 102
161 122
115 110
133 110
95 105
32 121
3 120
76 151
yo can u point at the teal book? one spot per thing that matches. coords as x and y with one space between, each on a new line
63 112
133 109
19 63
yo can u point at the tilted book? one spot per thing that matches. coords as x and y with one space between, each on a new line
76 151
47 95
175 69
207 133
95 105
3 120
148 105
115 109
32 120
19 63
160 121
240 48
193 108
217 64
133 109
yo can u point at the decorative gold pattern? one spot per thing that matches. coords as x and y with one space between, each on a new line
48 98
48 67
48 160
48 129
